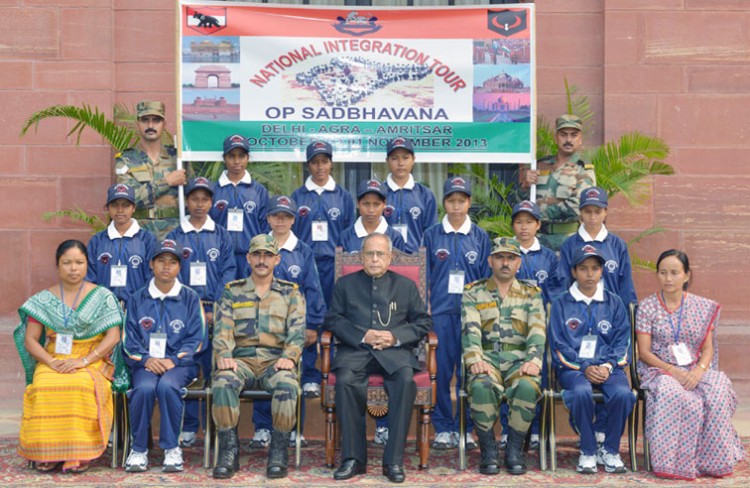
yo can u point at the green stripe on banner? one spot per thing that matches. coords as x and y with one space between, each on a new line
487 138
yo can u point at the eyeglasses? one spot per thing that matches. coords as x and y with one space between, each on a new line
373 254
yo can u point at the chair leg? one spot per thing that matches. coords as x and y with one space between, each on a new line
208 433
423 437
330 429
461 432
633 437
552 438
115 429
298 428
125 428
543 433
646 446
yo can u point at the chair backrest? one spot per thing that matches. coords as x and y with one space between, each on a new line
412 266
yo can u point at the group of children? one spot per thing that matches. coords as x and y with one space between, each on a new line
208 250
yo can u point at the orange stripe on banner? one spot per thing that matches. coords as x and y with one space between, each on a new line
449 23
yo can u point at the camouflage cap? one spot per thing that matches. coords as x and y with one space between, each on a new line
149 108
505 244
264 242
568 121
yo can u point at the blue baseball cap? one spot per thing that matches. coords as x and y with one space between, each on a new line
168 245
456 184
120 190
319 147
587 251
595 196
399 142
236 140
199 183
528 207
371 186
280 204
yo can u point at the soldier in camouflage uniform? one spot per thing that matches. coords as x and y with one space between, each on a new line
559 180
259 333
151 169
503 337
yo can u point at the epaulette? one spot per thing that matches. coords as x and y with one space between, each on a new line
475 283
239 282
547 160
530 284
171 150
288 283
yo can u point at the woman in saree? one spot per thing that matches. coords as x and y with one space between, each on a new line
66 340
690 403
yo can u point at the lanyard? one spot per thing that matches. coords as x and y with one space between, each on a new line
237 197
528 266
456 246
320 209
197 251
122 252
676 331
160 312
66 315
591 309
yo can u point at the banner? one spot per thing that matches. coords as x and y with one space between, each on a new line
459 81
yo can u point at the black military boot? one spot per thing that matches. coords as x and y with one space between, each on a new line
514 458
488 449
229 454
278 455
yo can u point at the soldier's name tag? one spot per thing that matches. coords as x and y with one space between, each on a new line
64 344
588 347
320 230
456 281
402 229
118 275
197 274
682 354
157 345
235 220
544 172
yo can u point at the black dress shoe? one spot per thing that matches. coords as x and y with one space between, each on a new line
394 473
349 469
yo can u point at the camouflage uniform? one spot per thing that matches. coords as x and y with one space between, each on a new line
256 332
155 201
505 333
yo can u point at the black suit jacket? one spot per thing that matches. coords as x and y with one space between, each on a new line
361 303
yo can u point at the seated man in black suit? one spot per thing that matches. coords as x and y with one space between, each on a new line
378 318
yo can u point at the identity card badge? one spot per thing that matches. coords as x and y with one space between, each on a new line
197 274
588 347
64 344
157 345
118 275
682 354
402 229
456 281
320 230
235 220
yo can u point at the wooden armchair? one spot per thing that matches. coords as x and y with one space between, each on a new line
415 268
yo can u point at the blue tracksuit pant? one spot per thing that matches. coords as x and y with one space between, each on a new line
447 327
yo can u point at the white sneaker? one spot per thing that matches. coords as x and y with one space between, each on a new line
137 462
172 460
381 436
311 390
600 436
443 440
534 442
261 439
612 462
470 444
503 441
293 440
187 439
586 464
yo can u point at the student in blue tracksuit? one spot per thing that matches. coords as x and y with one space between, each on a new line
371 202
208 264
539 266
618 275
298 266
410 206
324 209
239 202
119 254
457 252
164 331
589 336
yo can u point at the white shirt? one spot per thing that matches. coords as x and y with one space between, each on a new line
359 227
156 293
291 241
464 229
409 185
113 233
224 179
587 238
580 297
312 186
209 225
536 246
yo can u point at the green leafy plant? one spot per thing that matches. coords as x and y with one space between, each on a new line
490 208
79 215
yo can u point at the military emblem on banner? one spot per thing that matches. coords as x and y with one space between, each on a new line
206 20
357 25
507 22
